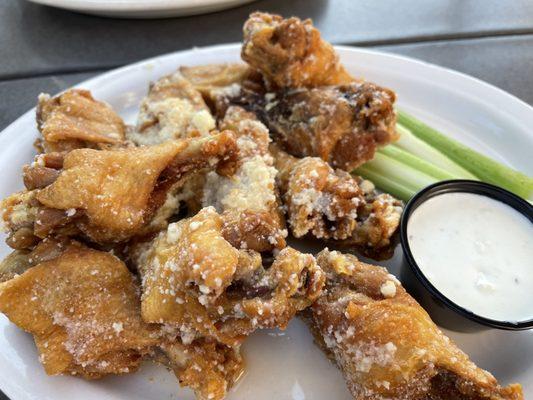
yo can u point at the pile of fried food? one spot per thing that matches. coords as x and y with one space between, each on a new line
166 240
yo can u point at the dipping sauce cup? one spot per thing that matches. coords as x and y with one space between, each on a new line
456 314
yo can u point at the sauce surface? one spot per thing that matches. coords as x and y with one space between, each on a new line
476 251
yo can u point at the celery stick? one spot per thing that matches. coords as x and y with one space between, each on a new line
403 174
482 166
385 184
392 176
417 163
421 149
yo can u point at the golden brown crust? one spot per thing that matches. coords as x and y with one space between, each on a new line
218 81
83 309
207 367
173 109
197 283
256 230
343 125
75 119
209 295
221 84
386 344
248 200
334 205
207 79
252 136
290 52
320 200
378 222
112 195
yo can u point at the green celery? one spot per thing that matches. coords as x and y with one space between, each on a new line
419 164
384 183
395 177
480 165
421 149
395 170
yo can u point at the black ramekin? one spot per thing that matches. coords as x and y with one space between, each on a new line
444 311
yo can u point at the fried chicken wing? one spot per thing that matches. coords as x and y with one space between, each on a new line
378 221
248 200
385 343
343 125
320 200
82 308
111 195
196 282
334 205
252 136
220 82
19 212
75 119
290 52
207 367
210 295
14 264
173 109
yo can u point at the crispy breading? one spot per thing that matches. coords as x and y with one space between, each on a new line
386 344
207 367
196 282
320 200
252 136
248 200
343 125
173 109
378 220
15 263
290 52
111 195
216 82
334 205
83 310
74 119
19 210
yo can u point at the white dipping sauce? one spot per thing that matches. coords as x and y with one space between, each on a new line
478 252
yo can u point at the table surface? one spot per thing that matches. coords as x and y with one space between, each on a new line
47 50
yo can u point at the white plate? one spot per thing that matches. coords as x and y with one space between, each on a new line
287 366
143 8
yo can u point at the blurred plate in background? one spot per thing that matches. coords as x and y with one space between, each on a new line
143 8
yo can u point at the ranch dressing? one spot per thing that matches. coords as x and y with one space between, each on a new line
478 252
